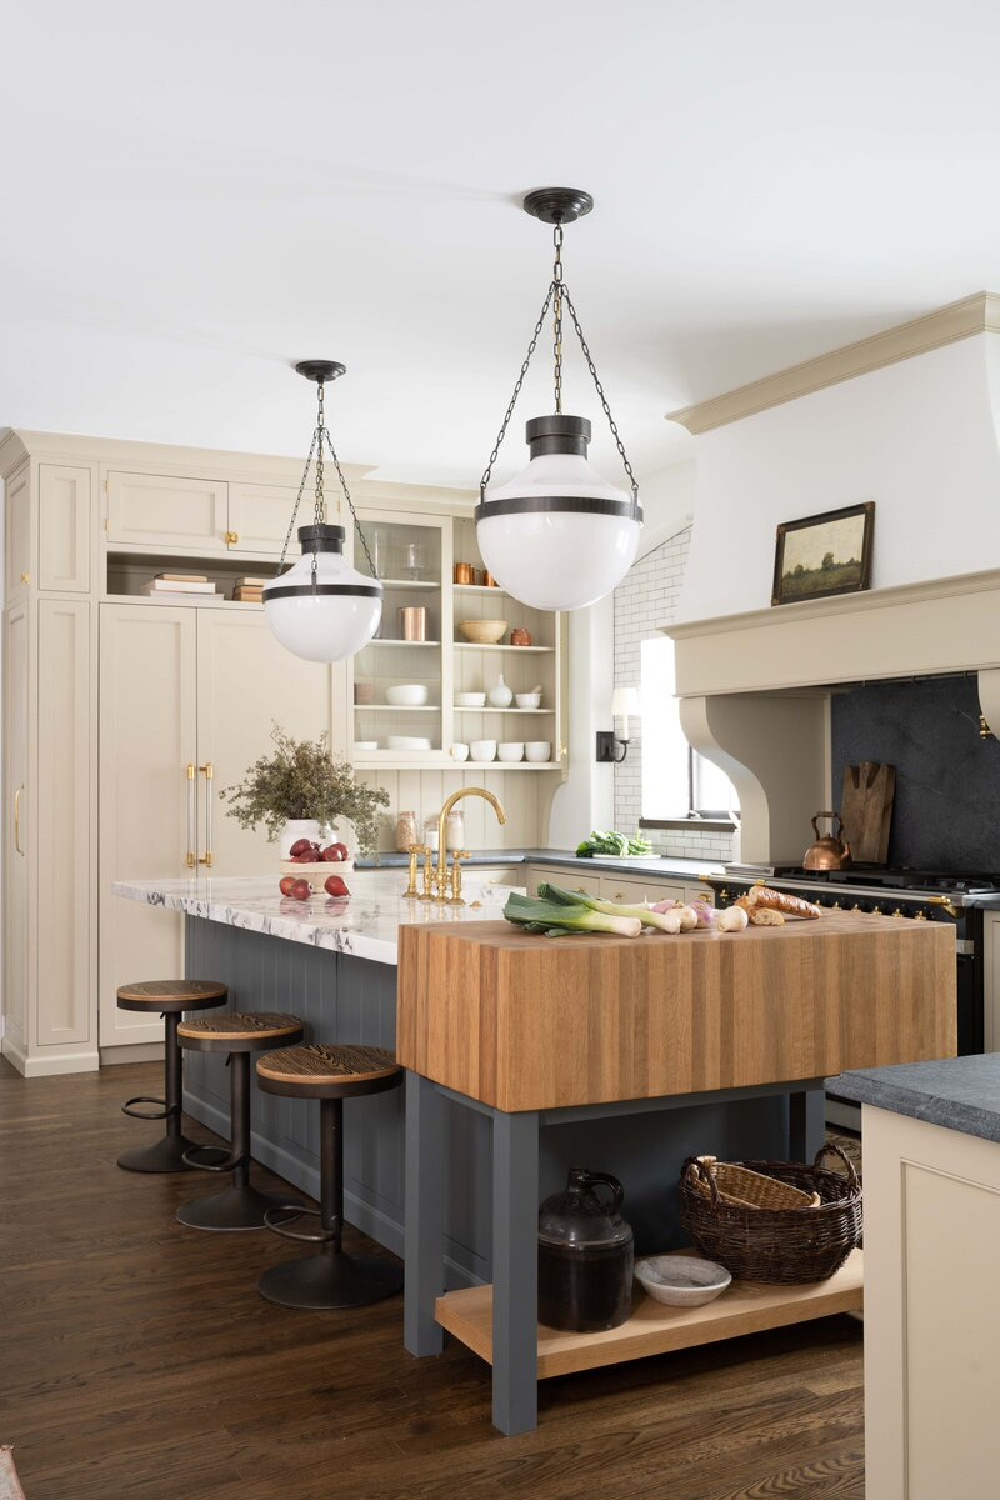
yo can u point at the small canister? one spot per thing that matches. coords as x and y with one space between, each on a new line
454 826
406 832
464 573
585 1256
412 622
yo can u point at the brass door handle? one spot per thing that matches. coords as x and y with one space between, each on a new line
232 537
191 857
17 820
208 771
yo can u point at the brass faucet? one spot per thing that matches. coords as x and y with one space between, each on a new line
441 880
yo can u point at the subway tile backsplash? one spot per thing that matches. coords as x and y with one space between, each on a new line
647 599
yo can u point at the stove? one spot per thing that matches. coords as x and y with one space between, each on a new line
924 895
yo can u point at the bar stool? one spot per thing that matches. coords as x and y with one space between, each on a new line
170 997
330 1279
237 1033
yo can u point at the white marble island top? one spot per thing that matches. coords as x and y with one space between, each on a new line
365 926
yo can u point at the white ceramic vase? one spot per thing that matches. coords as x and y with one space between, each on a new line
501 695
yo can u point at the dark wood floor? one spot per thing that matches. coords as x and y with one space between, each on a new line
138 1361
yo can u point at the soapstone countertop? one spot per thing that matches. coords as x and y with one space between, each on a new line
959 1093
685 869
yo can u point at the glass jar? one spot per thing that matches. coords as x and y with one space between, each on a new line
406 832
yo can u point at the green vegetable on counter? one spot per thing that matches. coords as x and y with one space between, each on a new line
558 918
613 844
645 915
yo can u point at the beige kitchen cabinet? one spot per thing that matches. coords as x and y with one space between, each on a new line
188 696
17 536
166 512
65 528
991 980
631 892
49 909
932 1313
259 515
562 875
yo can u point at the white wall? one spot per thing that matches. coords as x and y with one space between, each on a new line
586 798
919 438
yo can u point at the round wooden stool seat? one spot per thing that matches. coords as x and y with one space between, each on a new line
328 1070
168 996
239 1031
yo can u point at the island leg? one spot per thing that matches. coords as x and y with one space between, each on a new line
515 1271
806 1122
424 1231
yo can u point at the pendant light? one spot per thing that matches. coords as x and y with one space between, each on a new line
322 609
558 536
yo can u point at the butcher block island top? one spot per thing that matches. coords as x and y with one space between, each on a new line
526 1022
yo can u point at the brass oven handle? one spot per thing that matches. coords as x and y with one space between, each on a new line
944 904
191 857
208 771
17 820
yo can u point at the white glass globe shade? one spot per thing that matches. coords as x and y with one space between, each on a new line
329 622
548 554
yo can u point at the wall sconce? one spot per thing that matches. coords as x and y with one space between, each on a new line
624 705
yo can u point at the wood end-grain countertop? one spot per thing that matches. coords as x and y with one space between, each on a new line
528 1022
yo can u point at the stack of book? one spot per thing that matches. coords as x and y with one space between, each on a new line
247 590
181 586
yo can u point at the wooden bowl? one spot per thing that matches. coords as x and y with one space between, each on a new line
484 632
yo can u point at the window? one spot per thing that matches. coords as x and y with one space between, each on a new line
677 782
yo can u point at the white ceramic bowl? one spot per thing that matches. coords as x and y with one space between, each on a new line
470 700
458 752
538 750
528 700
408 742
511 750
408 695
681 1280
366 744
483 749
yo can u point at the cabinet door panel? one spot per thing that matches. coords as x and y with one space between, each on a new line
17 535
18 859
246 681
147 739
158 510
64 528
631 892
259 515
65 891
562 875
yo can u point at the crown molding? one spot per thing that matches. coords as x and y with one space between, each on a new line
945 325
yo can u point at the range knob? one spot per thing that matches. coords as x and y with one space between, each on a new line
856 907
836 906
899 912
723 894
876 911
920 916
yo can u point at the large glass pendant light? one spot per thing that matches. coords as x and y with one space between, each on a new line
322 609
558 536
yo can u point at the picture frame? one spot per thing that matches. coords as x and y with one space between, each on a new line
816 557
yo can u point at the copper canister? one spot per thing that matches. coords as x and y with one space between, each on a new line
488 579
412 622
464 573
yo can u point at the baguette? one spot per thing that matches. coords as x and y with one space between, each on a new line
762 896
766 916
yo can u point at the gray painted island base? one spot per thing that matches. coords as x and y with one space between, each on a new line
341 997
517 1143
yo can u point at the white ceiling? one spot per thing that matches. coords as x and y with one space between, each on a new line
194 195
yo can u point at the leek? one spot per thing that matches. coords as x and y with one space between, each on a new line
644 914
576 916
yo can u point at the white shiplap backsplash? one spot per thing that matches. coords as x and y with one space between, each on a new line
647 599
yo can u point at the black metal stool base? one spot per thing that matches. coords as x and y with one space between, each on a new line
233 1209
331 1280
165 1155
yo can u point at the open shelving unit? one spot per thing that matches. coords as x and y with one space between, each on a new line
744 1307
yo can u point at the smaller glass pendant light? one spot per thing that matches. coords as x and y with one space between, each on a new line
558 536
322 609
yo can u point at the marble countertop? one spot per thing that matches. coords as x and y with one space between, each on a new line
365 926
688 869
959 1093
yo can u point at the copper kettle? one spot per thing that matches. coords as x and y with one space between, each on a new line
828 852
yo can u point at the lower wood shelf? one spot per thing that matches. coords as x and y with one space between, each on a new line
655 1329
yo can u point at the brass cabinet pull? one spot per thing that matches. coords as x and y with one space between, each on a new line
208 771
25 577
232 537
17 820
191 857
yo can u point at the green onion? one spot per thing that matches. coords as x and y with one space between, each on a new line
574 917
644 914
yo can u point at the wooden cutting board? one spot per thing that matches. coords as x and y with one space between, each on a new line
866 810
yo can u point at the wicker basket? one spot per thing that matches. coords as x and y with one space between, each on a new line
739 1184
788 1245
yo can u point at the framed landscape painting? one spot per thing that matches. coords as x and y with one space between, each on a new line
822 555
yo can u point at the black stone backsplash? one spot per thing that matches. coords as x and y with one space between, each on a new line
946 814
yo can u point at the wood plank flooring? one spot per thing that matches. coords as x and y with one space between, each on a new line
137 1360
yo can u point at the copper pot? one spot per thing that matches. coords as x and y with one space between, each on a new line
827 853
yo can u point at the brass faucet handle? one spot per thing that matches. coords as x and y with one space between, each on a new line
415 852
456 898
427 894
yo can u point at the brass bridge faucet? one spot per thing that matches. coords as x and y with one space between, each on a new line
436 881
